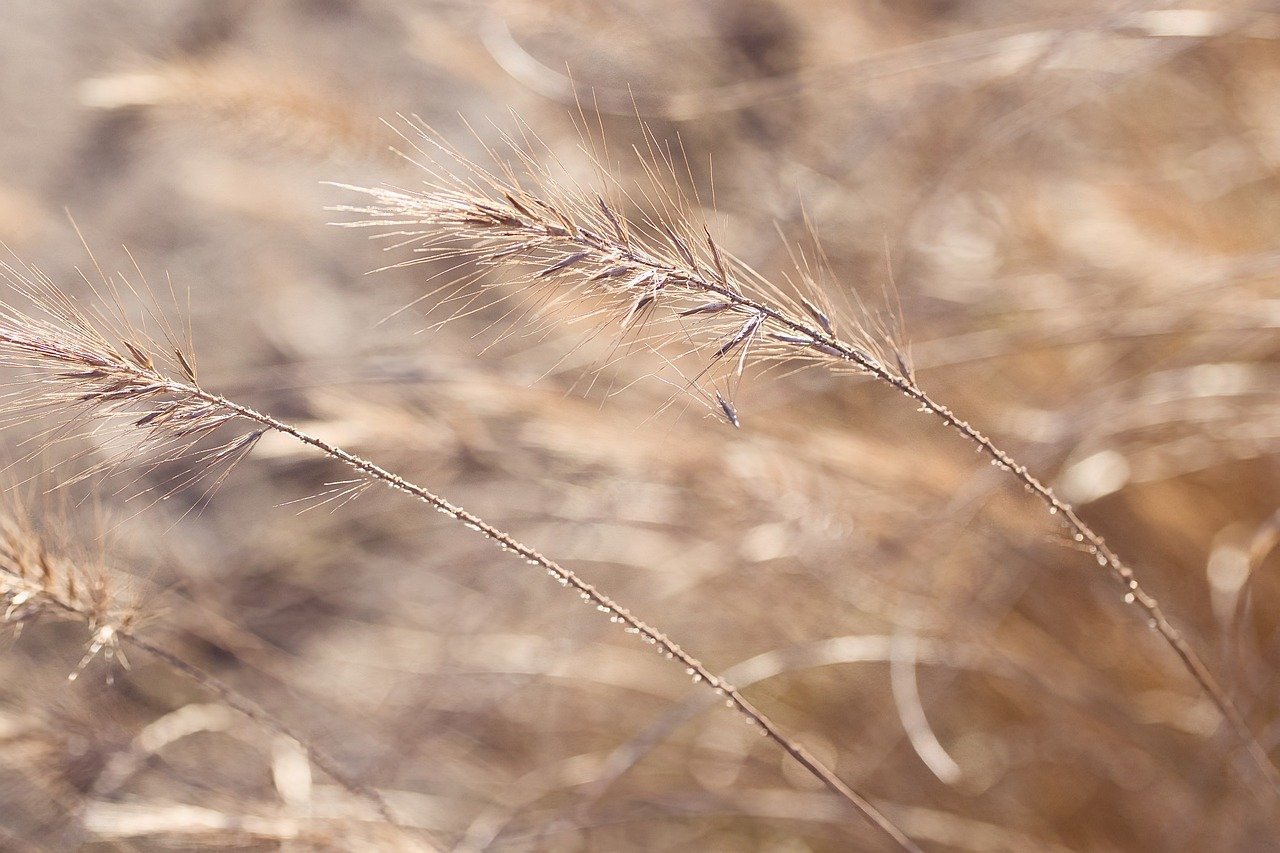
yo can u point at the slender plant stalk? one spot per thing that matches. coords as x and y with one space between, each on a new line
617 613
119 377
581 248
239 702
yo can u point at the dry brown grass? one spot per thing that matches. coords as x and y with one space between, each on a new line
1071 211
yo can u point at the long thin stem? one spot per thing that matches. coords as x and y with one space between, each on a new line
1080 529
235 700
564 237
84 369
617 613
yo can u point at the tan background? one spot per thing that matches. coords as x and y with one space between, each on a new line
1078 205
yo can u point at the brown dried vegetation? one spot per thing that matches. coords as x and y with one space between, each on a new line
784 216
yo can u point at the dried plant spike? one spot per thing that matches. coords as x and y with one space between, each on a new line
37 583
618 230
74 364
705 301
577 251
108 376
188 369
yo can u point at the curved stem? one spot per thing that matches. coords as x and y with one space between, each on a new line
1082 532
590 593
258 714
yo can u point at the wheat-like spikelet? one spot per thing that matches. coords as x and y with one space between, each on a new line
38 583
566 245
76 365
107 378
662 277
39 580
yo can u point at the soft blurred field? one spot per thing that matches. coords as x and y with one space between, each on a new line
1077 205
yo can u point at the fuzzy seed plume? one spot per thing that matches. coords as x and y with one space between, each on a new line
659 279
106 372
104 377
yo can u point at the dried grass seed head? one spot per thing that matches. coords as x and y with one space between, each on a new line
656 275
45 579
98 375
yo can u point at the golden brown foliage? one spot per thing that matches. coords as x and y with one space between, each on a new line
1061 219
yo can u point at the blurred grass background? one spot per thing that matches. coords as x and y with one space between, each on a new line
1077 205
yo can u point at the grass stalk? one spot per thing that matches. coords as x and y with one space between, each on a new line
569 246
119 376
